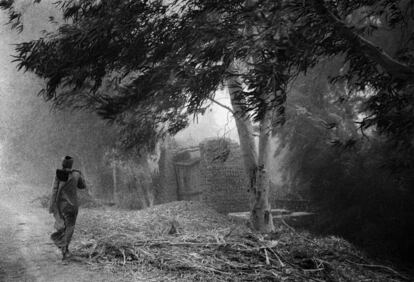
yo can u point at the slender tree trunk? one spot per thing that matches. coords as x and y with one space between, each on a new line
261 217
245 131
90 184
115 181
139 184
146 182
255 164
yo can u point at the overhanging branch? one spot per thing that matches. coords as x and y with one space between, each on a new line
392 66
221 105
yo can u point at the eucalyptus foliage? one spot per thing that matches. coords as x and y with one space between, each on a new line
150 65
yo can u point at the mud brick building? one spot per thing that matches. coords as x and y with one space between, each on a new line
211 172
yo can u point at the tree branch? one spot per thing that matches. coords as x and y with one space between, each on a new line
221 105
388 63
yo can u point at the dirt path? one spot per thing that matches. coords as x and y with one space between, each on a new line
26 252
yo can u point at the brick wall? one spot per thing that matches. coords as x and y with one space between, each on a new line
222 177
212 173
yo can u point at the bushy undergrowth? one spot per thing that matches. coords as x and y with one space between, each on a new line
364 194
362 183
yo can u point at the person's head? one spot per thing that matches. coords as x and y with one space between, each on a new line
67 162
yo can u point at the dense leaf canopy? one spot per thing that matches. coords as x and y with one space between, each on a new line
150 65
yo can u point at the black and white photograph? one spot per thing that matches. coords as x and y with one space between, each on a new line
206 140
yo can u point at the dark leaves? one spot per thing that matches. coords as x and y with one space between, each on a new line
6 4
170 58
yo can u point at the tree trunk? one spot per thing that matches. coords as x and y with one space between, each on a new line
261 217
245 131
146 182
115 181
139 185
90 184
255 165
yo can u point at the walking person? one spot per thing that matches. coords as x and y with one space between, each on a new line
64 204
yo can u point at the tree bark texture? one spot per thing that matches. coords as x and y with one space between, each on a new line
261 215
255 164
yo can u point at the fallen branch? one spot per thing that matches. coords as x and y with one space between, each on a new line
297 233
380 266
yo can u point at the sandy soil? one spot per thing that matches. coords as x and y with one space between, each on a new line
26 252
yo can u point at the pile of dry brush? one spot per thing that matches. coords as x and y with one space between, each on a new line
189 240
